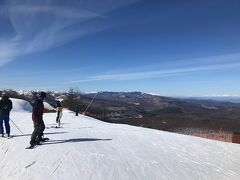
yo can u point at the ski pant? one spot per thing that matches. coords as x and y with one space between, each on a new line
58 119
5 119
37 134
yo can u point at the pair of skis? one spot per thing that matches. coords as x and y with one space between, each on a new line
44 139
7 137
34 146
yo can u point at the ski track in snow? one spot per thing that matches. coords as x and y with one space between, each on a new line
30 164
88 149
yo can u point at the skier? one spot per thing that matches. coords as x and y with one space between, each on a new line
39 126
77 111
5 108
59 113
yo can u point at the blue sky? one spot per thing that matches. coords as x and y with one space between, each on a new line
167 47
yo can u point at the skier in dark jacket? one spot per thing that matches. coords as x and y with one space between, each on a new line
5 108
39 126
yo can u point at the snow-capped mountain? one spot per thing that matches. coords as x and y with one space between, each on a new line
86 148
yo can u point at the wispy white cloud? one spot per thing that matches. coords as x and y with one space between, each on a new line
40 25
202 64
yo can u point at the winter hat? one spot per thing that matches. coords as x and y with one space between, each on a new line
4 96
42 94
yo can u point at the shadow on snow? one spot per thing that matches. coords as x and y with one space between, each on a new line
44 134
74 140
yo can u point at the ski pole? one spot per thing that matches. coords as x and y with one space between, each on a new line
90 103
16 126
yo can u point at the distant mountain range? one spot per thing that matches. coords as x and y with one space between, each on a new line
164 113
233 99
152 111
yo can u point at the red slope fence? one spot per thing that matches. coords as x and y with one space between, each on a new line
220 135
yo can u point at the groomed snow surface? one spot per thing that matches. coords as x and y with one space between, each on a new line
88 149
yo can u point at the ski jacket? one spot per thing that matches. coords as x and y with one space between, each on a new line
38 109
5 106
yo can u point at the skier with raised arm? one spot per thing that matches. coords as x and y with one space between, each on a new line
39 126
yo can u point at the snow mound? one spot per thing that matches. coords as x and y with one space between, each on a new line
48 106
20 105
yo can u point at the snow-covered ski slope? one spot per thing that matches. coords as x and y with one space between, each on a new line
88 149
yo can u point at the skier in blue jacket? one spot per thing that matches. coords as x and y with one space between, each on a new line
5 108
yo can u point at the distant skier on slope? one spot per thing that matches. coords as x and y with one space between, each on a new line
59 113
39 126
5 108
76 111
